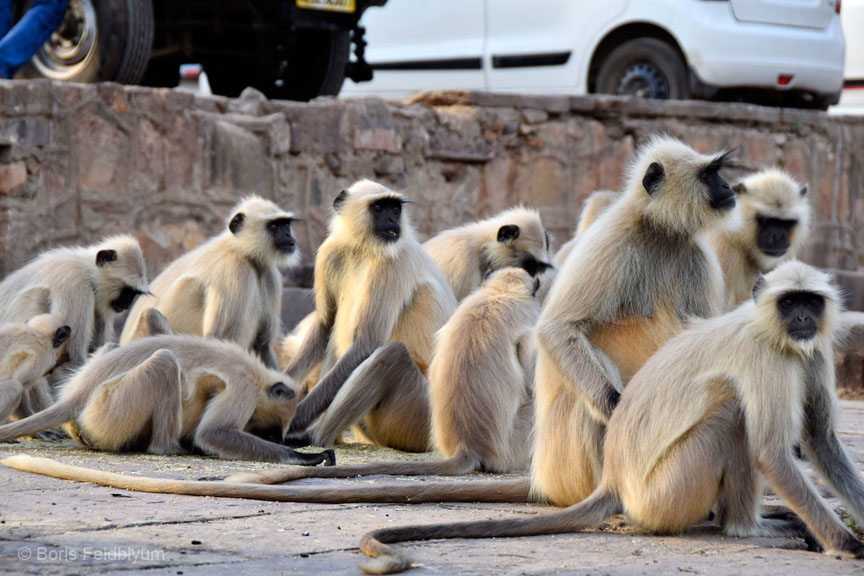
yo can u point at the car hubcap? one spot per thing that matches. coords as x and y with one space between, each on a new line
643 80
72 46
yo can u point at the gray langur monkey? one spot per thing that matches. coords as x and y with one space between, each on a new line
467 254
630 284
716 410
379 300
481 388
230 287
168 394
28 352
86 287
774 223
593 206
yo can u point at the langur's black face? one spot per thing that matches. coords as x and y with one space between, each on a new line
720 194
124 301
801 313
386 219
533 266
774 235
280 231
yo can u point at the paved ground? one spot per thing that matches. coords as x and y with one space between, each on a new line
50 526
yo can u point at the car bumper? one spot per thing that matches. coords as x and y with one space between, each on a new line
746 55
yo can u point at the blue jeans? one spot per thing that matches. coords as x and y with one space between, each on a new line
22 41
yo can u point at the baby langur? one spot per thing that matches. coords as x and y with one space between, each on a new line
592 207
716 409
467 254
630 283
480 388
27 353
379 300
86 287
774 223
167 394
229 288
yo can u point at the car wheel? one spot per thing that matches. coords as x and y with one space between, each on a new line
99 40
644 68
316 68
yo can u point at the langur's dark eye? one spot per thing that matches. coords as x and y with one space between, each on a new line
397 209
787 303
377 207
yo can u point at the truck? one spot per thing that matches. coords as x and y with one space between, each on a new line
288 49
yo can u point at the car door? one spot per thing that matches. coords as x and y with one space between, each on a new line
543 45
423 45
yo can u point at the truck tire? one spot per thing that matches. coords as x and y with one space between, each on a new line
644 68
316 66
99 40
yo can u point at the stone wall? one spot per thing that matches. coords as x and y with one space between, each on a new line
78 162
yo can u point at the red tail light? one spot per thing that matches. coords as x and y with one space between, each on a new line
837 4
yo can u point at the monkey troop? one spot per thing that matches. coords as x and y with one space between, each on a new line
599 374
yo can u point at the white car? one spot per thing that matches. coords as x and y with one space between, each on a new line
853 90
774 51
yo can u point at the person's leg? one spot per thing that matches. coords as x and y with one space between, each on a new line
26 37
6 13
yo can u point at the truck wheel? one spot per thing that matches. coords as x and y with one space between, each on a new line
644 68
99 40
320 63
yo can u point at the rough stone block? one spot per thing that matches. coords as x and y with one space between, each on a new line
12 177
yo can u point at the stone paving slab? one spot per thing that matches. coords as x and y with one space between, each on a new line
54 527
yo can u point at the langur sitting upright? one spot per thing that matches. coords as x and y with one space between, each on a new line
229 288
481 393
774 223
379 300
467 254
716 409
632 280
28 352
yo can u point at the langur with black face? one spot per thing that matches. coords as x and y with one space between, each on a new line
230 288
696 428
28 352
379 300
86 287
166 394
480 389
633 278
469 253
774 224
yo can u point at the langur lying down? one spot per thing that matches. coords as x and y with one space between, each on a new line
167 394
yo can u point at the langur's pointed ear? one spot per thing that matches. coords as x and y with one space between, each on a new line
758 287
508 233
803 191
340 199
652 178
103 257
60 336
236 223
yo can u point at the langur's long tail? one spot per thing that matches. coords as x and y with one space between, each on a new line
388 560
515 490
51 417
461 463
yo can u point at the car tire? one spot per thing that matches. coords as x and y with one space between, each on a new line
645 68
319 66
99 40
